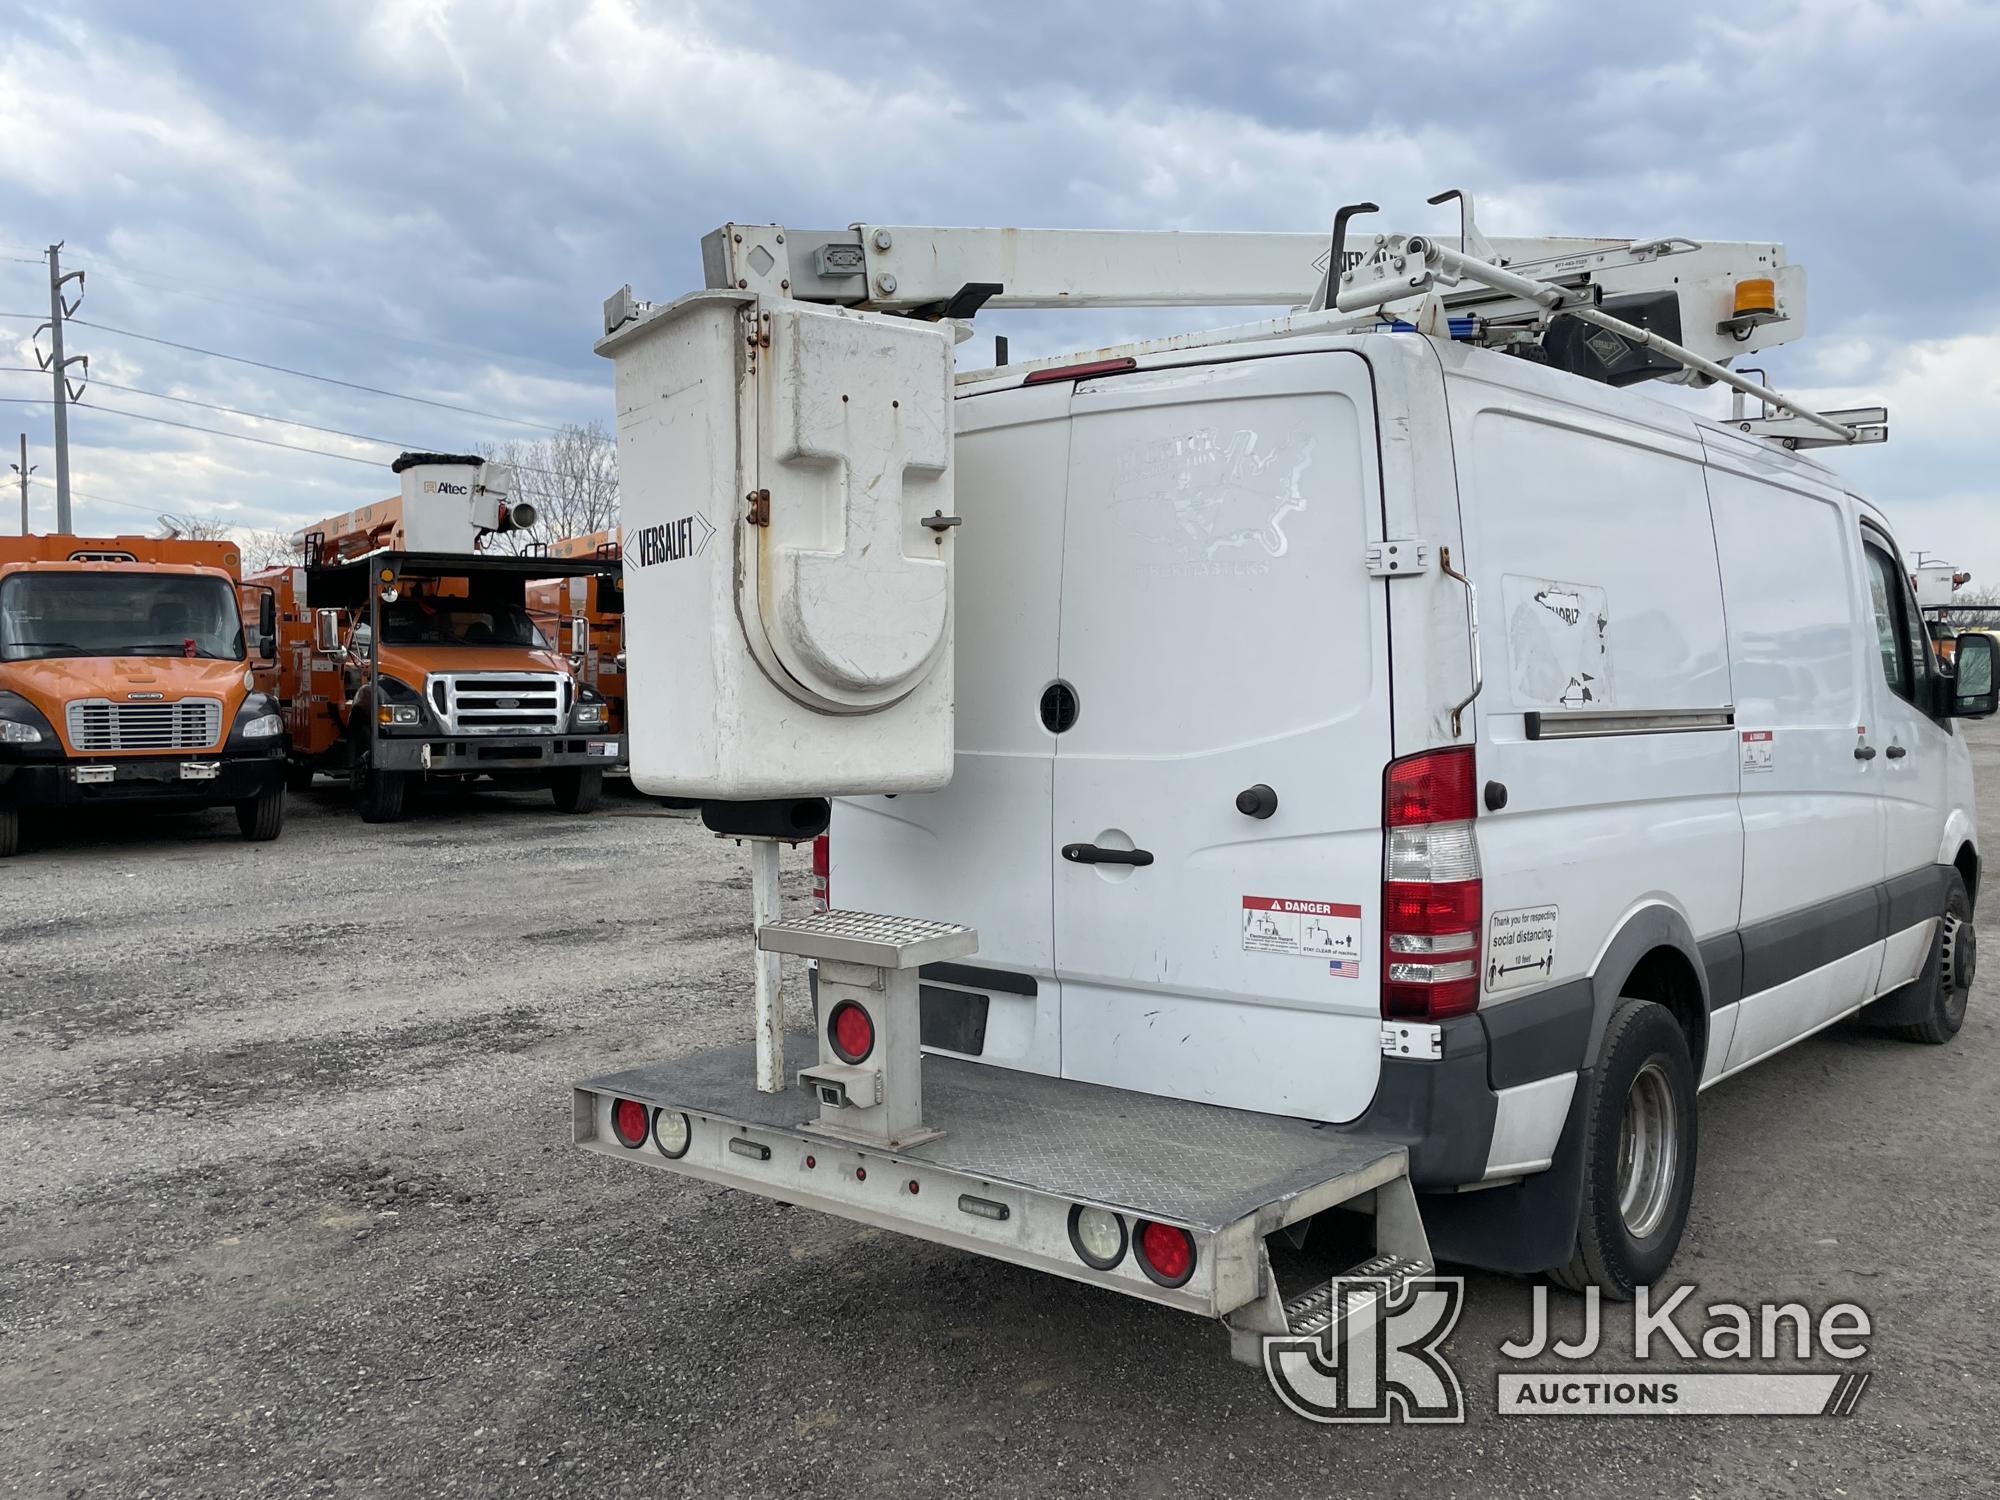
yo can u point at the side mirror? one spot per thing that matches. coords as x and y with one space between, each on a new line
326 632
579 636
1973 692
267 626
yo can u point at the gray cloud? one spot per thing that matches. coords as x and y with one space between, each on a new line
435 197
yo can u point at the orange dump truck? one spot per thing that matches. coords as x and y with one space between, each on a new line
126 676
585 612
407 653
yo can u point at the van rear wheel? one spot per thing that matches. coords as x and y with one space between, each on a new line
262 818
1639 1155
577 788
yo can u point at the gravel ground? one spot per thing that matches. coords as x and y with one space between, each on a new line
288 1208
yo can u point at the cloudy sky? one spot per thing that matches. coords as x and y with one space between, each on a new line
433 198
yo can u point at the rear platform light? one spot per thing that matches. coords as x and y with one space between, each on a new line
851 1031
1432 895
1097 1235
1166 1254
629 1123
671 1134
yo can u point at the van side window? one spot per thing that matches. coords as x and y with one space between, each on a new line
1888 629
1899 629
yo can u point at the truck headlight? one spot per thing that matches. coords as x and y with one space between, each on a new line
588 714
264 727
398 714
14 733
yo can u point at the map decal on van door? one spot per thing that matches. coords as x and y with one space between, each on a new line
1557 648
1520 947
1326 930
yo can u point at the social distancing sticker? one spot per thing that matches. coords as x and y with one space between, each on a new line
1520 947
1329 931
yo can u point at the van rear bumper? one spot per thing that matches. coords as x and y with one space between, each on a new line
186 780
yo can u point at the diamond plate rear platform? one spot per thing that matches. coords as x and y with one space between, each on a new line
1199 1164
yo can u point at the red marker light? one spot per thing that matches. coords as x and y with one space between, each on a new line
1166 1254
628 1123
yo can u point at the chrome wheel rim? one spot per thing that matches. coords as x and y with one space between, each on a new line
1648 1151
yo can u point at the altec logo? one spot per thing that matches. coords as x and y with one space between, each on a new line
445 487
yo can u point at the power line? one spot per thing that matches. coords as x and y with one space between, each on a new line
139 416
255 416
372 390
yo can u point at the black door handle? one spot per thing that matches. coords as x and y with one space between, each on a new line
1090 854
1897 752
1864 752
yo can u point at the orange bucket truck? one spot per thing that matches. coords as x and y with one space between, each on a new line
407 653
127 675
586 612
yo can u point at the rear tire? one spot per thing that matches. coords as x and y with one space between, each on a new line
577 788
1639 1155
1948 972
10 832
262 818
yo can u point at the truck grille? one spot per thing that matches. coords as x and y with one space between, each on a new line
501 702
97 724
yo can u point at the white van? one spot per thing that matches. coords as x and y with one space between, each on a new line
1365 739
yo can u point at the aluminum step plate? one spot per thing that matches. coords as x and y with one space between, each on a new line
863 937
1312 1312
1198 1164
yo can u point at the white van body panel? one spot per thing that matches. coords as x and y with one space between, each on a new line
1173 551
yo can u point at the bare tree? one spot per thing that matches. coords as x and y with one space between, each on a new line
189 527
267 549
1982 619
572 481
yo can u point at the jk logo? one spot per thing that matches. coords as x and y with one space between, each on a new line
1377 1360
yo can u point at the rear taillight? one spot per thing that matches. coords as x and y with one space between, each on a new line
629 1123
1166 1253
1431 896
822 885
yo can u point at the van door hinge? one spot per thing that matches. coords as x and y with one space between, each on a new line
1412 1039
1392 559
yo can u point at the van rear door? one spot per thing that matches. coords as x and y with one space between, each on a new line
1219 633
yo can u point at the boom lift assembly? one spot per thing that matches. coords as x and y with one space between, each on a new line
787 444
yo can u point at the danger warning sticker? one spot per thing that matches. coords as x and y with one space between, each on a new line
1326 930
1757 750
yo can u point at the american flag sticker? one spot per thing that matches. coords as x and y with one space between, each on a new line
1343 968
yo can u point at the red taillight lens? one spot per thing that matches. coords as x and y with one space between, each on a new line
822 882
1432 896
1166 1254
1435 787
851 1032
628 1123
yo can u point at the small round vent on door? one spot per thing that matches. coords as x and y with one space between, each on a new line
1058 707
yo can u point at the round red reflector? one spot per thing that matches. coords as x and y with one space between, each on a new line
860 1174
628 1122
851 1032
1166 1254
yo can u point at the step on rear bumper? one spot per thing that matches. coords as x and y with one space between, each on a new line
1018 1151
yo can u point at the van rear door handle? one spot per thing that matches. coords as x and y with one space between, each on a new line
1864 752
1090 854
1897 752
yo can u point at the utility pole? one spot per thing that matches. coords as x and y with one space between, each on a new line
58 366
24 471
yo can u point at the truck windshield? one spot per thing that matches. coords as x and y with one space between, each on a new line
457 622
55 613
